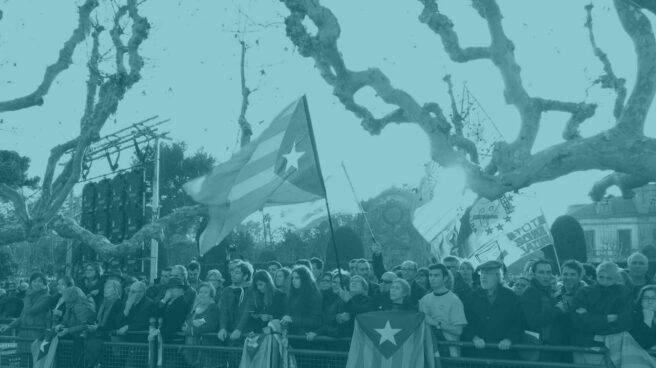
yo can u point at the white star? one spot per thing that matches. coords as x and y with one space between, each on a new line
292 158
387 333
44 343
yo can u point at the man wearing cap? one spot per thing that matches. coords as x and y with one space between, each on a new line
494 315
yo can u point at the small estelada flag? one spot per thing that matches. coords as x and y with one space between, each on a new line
390 339
44 350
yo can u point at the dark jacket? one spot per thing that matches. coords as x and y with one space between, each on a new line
255 306
387 305
12 305
138 319
641 332
600 301
416 292
34 317
211 316
95 287
231 306
331 306
305 312
172 317
109 320
540 310
493 322
360 304
78 316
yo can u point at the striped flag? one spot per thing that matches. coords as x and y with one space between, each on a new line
390 339
44 350
279 167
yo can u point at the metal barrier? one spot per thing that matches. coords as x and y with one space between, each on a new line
116 354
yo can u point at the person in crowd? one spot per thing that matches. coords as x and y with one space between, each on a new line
138 314
324 283
363 269
317 267
109 311
180 272
233 300
33 319
466 270
264 304
193 269
636 273
283 280
215 278
156 291
494 315
273 267
352 264
107 320
422 278
360 301
383 295
571 275
57 303
408 273
541 307
601 309
398 297
203 319
172 311
92 283
334 305
80 313
520 285
456 283
643 328
303 308
12 303
445 313
590 275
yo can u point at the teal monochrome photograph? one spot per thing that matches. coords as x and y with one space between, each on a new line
327 183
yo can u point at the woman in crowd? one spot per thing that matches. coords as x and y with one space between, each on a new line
399 297
203 319
215 278
108 319
265 303
643 329
303 309
601 309
33 320
466 270
91 283
283 280
57 299
80 312
422 278
332 306
360 302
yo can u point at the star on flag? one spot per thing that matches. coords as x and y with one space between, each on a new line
387 333
292 157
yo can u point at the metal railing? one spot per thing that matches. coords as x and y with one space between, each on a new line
322 352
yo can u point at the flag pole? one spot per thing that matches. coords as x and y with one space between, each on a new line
323 186
366 220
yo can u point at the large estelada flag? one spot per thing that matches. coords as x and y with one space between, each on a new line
279 167
44 350
391 339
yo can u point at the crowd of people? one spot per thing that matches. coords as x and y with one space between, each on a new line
574 305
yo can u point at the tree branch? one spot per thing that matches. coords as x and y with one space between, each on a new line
626 183
638 27
443 26
17 200
456 118
69 229
12 232
609 79
580 112
246 131
63 62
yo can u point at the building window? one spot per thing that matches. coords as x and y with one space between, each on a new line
624 242
652 205
603 207
590 247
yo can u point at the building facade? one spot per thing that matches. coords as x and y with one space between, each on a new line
615 227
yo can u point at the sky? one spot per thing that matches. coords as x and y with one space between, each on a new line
191 76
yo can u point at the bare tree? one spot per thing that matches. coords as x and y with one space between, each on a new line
623 149
104 91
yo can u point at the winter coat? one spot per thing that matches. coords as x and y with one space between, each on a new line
305 312
599 302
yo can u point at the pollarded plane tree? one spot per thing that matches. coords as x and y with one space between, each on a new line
623 149
106 86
